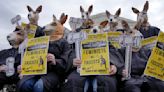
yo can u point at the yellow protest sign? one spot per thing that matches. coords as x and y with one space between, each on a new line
113 38
95 55
35 57
155 65
149 40
30 29
87 30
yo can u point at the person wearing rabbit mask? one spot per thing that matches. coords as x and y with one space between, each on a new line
142 22
58 55
138 82
76 83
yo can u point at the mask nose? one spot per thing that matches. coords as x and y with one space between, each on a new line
111 20
82 16
94 30
8 37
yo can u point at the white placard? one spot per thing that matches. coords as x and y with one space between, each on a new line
75 23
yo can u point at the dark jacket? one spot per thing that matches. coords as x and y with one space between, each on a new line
116 58
12 52
39 32
4 54
139 60
152 31
62 51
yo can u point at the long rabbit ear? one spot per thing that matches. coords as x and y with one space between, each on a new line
90 9
81 9
118 12
29 8
17 28
63 18
39 9
62 15
103 24
146 6
137 26
135 10
54 18
125 25
108 14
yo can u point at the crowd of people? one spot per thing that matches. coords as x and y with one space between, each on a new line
62 63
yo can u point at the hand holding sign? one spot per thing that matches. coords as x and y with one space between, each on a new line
19 69
3 68
112 70
51 58
76 62
77 38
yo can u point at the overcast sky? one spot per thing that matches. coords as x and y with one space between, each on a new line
10 8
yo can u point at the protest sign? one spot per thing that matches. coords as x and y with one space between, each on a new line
35 57
30 30
113 38
95 55
149 42
155 65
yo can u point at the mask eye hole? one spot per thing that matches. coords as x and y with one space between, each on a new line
144 13
82 16
54 24
29 15
94 30
20 33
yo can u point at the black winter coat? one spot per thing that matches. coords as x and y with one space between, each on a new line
12 52
152 31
